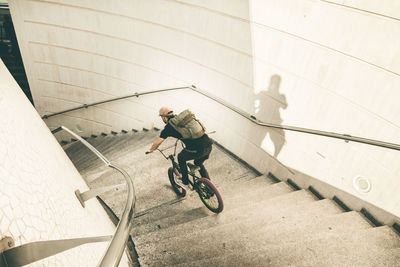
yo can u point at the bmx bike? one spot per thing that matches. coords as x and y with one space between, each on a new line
206 190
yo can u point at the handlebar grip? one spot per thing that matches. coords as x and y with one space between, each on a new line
147 152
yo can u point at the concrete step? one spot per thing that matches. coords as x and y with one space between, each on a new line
108 143
241 188
130 146
230 187
115 199
181 223
100 173
351 249
250 224
126 156
262 224
120 140
219 165
90 160
150 172
235 201
258 221
147 198
252 194
73 150
151 182
111 140
127 146
217 241
77 152
226 165
81 163
357 257
98 142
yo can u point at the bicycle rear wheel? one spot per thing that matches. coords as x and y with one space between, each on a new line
179 190
209 195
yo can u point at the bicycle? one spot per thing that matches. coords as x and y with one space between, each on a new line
206 190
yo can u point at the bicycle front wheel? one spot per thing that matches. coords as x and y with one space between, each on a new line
179 190
209 195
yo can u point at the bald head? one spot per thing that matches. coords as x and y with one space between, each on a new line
166 112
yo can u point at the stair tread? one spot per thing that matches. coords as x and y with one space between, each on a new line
149 181
245 187
328 245
128 155
210 243
195 203
258 221
263 223
101 141
235 199
169 225
369 257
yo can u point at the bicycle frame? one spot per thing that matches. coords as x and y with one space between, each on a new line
206 190
175 165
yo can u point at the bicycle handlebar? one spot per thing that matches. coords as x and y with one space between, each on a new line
165 148
174 145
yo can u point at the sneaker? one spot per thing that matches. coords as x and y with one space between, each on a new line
193 168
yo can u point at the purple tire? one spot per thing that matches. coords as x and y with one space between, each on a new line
209 195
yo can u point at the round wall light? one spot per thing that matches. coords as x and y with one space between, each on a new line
362 184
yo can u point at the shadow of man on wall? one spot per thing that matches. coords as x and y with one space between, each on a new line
267 107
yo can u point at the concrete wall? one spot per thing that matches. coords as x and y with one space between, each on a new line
339 72
326 65
37 184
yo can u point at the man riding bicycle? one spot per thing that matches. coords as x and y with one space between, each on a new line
186 127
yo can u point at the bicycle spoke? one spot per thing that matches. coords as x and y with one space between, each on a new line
209 195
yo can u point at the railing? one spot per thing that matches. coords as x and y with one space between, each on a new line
112 100
250 117
34 251
117 245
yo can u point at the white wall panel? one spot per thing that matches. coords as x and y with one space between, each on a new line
326 65
386 8
37 184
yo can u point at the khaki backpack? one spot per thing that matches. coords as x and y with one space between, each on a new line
187 125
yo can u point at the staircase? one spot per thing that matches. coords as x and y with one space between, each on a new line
264 223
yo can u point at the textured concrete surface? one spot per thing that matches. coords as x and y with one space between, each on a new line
264 223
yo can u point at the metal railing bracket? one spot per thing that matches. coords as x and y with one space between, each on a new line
6 243
85 196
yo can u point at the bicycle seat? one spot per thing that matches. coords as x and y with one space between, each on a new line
192 167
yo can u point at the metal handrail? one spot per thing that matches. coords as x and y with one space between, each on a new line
250 117
114 251
112 100
345 137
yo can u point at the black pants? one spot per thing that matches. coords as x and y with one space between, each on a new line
199 157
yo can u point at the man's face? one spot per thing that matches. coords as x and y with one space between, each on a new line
165 119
